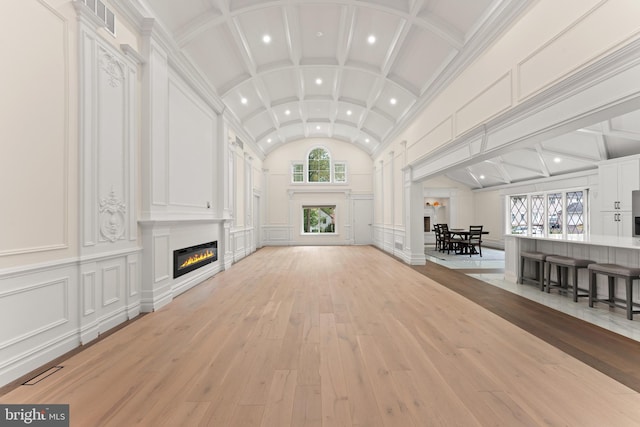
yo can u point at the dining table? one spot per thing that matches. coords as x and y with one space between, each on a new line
464 234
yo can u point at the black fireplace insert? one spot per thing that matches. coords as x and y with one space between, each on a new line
188 259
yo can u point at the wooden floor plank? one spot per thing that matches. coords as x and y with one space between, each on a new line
331 336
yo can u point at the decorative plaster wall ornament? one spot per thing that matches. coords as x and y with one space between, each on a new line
112 67
112 219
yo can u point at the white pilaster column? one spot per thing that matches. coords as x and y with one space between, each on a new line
414 241
155 140
223 175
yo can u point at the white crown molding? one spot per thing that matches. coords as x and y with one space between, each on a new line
132 53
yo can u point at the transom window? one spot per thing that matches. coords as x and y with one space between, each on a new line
318 219
553 213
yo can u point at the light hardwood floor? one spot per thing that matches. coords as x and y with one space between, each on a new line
328 336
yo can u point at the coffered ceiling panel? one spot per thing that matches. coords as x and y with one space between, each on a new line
437 53
318 30
456 16
282 86
359 69
214 53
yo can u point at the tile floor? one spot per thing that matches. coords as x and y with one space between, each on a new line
612 319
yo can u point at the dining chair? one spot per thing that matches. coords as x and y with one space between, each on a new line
473 242
436 228
448 243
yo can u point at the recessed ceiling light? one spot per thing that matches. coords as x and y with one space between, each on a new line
287 112
393 101
266 39
557 159
481 176
269 140
244 100
367 140
349 112
371 39
319 34
318 127
318 81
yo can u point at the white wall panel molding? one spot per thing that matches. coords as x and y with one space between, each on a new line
609 87
49 302
227 249
192 153
438 136
277 235
161 256
45 101
133 286
88 292
25 270
575 47
490 102
111 285
108 136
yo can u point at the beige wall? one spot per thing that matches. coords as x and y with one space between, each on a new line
39 148
284 199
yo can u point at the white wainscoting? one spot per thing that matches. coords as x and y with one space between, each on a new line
243 243
109 291
54 307
392 241
276 235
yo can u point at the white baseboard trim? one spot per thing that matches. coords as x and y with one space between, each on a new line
37 357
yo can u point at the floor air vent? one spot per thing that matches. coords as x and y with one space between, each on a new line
42 375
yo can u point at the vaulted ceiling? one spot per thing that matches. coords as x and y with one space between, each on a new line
359 71
354 70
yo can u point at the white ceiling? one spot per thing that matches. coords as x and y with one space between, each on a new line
419 44
576 151
272 89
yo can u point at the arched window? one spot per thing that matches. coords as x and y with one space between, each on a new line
319 165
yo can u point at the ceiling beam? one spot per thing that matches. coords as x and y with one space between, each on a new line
498 164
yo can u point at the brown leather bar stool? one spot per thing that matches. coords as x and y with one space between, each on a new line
538 258
613 271
563 264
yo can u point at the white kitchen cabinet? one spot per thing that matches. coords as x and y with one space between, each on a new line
618 178
617 223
